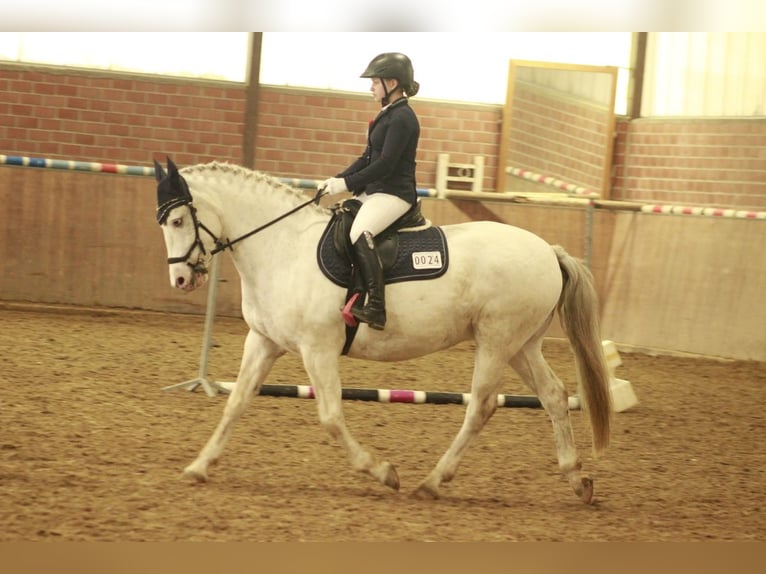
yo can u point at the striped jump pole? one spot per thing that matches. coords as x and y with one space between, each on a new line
623 395
70 165
98 167
702 211
552 182
397 396
579 196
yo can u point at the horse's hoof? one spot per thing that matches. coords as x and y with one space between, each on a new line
585 490
196 475
425 492
392 477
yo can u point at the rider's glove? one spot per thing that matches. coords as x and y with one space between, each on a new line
333 185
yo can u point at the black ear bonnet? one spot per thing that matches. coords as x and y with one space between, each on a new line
172 190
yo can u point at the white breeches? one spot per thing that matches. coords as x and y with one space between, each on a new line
378 211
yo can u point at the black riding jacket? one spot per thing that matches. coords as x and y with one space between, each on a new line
388 162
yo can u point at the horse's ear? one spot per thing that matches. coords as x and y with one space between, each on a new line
172 169
174 176
177 182
159 172
172 190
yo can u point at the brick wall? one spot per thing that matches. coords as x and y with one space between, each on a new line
91 116
314 134
123 118
692 162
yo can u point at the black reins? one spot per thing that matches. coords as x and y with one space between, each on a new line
227 244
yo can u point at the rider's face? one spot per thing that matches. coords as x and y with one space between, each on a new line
376 87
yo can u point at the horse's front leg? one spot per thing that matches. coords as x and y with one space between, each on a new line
322 369
257 359
487 374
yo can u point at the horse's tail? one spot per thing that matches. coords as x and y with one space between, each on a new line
579 316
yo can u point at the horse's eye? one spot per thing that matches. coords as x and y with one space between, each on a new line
178 222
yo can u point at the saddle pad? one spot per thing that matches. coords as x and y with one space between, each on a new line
421 255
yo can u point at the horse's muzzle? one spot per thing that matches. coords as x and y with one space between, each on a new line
188 277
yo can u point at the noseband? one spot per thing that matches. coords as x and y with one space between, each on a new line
227 244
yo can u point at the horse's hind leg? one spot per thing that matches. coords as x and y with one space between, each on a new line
532 367
257 359
322 369
487 376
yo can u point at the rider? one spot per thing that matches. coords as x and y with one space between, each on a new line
383 177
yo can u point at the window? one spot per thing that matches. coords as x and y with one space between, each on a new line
210 55
705 74
457 66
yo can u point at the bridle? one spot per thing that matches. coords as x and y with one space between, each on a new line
197 240
220 245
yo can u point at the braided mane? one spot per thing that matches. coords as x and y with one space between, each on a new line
247 175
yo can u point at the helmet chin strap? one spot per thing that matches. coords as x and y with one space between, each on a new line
384 101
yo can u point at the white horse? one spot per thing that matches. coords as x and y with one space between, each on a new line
501 289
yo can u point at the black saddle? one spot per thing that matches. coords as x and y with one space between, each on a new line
409 249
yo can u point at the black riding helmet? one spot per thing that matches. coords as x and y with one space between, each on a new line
393 65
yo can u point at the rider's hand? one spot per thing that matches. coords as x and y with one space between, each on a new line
333 185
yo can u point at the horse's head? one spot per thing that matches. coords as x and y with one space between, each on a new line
177 216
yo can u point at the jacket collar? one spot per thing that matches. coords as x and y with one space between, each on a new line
386 109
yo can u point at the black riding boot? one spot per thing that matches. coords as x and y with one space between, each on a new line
368 263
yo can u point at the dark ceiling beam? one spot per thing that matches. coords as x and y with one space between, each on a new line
252 97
